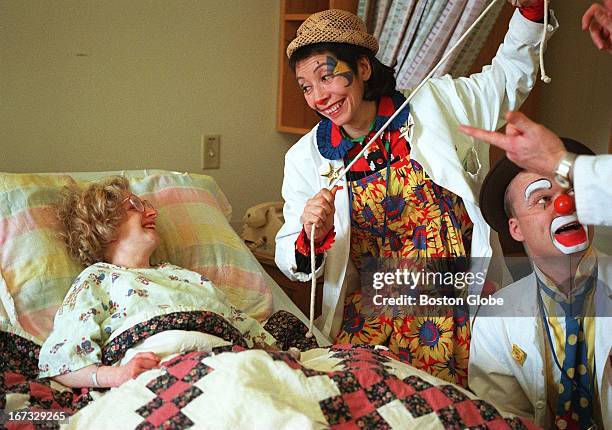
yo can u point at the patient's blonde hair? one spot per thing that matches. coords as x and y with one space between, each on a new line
90 217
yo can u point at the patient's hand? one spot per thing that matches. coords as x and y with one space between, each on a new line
140 363
110 376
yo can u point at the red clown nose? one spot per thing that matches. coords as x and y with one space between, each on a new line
564 205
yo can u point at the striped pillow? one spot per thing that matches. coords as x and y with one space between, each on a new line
36 271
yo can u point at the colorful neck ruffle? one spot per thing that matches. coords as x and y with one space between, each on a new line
334 146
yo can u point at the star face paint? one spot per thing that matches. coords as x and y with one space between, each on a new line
331 88
340 68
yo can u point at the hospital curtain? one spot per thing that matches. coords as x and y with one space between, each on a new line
415 34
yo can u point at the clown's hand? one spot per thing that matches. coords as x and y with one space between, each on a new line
527 144
598 21
319 211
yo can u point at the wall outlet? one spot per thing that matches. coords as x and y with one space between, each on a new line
211 151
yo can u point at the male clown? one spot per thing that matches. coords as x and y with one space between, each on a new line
548 357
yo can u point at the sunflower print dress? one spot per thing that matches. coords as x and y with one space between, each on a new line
400 215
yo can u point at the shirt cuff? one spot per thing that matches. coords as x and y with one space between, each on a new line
534 12
302 244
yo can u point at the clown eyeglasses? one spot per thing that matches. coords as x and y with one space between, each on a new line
138 204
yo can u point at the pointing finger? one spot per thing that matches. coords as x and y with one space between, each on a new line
492 137
519 120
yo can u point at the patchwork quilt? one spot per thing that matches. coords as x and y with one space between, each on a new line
20 390
231 387
342 387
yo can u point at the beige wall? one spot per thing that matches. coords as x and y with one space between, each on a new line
113 84
578 101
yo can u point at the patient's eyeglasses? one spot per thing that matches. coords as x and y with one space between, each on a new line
138 204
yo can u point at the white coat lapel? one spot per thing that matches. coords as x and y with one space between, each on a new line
525 334
337 257
328 171
342 222
603 340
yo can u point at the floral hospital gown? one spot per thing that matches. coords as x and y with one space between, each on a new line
107 301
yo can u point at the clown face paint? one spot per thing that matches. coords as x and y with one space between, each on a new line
340 68
543 231
540 184
333 90
568 235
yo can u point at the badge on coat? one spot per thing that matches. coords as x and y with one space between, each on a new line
518 354
331 174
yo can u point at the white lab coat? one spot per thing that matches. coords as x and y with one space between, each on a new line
497 377
453 160
592 191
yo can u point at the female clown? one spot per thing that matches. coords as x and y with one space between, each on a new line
412 196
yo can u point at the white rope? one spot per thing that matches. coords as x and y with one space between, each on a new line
545 78
313 284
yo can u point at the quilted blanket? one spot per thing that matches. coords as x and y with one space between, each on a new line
22 391
342 387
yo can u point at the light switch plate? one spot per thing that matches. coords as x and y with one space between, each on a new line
211 151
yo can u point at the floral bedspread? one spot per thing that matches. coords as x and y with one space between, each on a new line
20 390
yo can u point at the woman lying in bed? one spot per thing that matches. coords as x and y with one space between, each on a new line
120 304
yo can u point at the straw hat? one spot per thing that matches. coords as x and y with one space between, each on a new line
333 25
